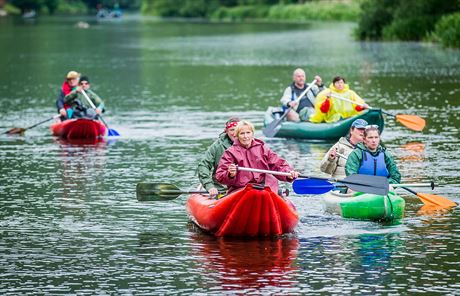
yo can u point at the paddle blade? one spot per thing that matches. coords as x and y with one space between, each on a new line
412 122
436 200
146 191
366 183
272 129
311 186
15 131
112 132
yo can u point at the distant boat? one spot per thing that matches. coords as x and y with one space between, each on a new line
29 14
105 13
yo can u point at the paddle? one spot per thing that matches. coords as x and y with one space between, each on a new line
432 199
315 186
363 183
272 129
146 191
110 132
21 130
412 122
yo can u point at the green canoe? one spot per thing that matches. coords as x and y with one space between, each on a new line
365 206
320 131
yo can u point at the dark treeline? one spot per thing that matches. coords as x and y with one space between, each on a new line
51 6
402 19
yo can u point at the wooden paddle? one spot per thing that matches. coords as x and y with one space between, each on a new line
147 191
432 199
110 132
363 183
412 122
272 129
21 130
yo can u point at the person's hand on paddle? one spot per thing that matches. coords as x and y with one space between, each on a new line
294 175
361 107
333 154
98 111
63 112
232 170
292 104
213 192
319 81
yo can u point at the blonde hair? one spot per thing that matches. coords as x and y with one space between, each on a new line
242 124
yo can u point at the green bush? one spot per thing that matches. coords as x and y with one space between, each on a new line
239 13
414 28
447 30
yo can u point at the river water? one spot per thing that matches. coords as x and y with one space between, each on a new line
69 219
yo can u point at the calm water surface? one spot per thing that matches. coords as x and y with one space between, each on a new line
69 219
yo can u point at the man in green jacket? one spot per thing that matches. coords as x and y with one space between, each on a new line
370 158
80 105
208 165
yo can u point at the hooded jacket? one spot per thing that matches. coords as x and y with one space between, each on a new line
208 164
336 166
338 108
356 156
257 156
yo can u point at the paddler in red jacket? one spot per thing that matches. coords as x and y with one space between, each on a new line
69 84
247 151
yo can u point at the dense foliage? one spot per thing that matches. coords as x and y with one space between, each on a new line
402 19
448 30
253 9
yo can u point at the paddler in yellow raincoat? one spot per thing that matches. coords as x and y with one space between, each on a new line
331 109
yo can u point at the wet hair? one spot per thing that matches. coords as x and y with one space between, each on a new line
338 78
242 124
84 78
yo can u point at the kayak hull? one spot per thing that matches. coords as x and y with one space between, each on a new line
321 131
365 206
76 129
249 212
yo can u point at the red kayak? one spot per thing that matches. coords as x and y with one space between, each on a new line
80 128
248 212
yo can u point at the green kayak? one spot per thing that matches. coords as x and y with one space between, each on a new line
320 131
365 206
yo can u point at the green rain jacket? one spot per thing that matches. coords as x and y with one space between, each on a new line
208 165
72 98
355 158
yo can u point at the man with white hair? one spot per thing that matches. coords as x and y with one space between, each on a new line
301 108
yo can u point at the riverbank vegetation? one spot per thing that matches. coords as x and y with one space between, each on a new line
410 20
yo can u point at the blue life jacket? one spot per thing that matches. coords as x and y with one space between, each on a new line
373 165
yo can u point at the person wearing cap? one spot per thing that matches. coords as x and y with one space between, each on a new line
68 85
329 108
300 109
371 158
79 104
249 152
207 166
334 161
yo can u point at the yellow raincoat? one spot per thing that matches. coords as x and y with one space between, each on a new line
339 109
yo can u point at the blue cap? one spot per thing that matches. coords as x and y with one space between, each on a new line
359 123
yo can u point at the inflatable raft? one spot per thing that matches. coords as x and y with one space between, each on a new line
320 131
365 206
76 129
249 212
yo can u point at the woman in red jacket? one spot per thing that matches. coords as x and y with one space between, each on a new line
247 151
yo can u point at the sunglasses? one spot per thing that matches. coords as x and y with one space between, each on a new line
373 126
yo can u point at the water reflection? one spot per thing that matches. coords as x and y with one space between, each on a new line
247 265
